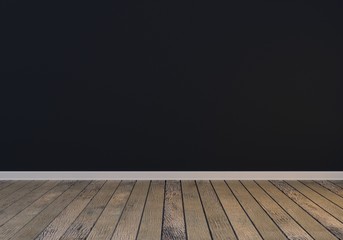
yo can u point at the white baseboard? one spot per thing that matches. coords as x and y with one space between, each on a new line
159 175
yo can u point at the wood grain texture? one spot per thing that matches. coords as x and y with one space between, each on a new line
75 210
12 198
128 224
173 219
266 227
42 220
61 223
325 204
82 226
333 197
107 222
332 187
4 184
151 225
331 223
15 208
219 223
11 188
196 224
20 220
241 223
338 183
315 229
285 222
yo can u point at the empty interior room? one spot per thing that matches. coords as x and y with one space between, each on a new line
185 120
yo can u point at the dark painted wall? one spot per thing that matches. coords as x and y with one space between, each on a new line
171 85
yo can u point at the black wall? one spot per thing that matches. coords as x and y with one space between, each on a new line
171 85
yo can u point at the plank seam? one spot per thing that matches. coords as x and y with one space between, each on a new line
11 182
264 210
336 184
43 182
164 202
183 210
140 220
203 209
314 201
32 203
101 211
60 211
244 210
223 209
39 211
81 210
286 210
323 195
305 209
329 188
122 211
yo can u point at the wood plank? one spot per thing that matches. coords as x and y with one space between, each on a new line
20 220
151 225
315 229
43 219
338 183
286 223
82 226
173 226
219 223
266 227
24 202
4 184
240 221
333 197
108 219
12 198
128 224
196 224
328 206
202 209
12 188
331 223
61 223
332 187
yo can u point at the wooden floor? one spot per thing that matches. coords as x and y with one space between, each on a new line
171 210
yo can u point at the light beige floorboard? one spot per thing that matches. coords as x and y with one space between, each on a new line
313 227
42 220
107 222
197 228
180 210
285 222
4 184
219 223
241 223
325 204
151 225
128 224
60 224
173 218
332 187
331 223
266 227
82 226
333 197
20 220
12 198
5 192
18 206
338 183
